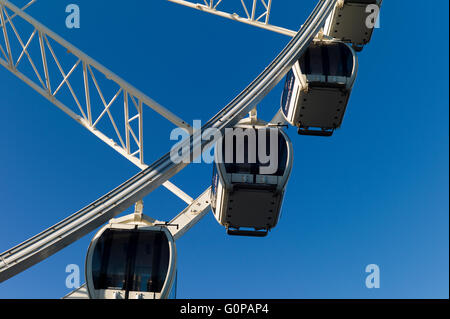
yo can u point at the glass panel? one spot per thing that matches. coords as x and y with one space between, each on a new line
287 92
304 62
246 167
312 62
110 260
282 153
140 258
97 262
151 262
340 60
334 60
348 58
315 60
254 168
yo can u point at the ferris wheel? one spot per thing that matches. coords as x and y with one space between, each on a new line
135 256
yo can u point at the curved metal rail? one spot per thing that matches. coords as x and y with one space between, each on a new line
93 216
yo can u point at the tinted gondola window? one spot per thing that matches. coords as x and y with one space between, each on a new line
151 262
312 61
246 166
316 59
335 62
131 260
333 59
254 168
340 60
110 260
282 155
349 60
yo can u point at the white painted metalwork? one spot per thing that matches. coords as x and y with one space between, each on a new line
88 219
23 9
191 215
80 293
256 14
127 101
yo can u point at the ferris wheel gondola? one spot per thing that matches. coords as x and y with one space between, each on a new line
246 198
353 21
318 88
131 260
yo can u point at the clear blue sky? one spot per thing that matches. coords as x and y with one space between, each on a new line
374 193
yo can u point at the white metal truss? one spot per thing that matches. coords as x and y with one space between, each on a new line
55 68
253 12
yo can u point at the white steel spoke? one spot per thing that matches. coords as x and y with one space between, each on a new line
257 13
